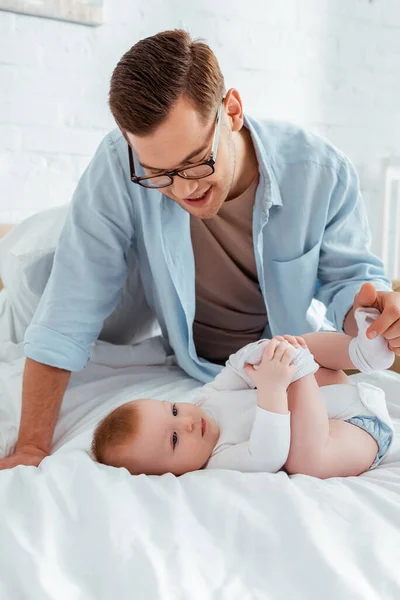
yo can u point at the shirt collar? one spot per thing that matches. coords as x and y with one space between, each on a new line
271 194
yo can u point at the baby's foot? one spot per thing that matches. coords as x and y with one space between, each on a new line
369 355
305 363
302 358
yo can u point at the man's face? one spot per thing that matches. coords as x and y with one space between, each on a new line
183 139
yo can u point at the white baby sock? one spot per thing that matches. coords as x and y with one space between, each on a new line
305 363
365 354
302 358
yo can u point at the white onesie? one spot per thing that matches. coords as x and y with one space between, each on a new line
255 439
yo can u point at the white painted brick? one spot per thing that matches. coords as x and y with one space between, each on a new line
75 57
10 137
268 11
33 182
391 14
28 109
21 80
7 22
80 164
388 39
206 26
355 10
8 78
87 114
60 140
329 64
122 11
311 16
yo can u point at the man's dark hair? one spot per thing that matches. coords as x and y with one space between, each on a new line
158 70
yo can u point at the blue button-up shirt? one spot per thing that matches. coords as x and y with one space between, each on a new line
310 234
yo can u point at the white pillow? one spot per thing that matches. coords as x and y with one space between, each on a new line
26 259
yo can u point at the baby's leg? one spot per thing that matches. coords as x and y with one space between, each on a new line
321 447
330 377
340 351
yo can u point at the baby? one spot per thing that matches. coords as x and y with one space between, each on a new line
321 425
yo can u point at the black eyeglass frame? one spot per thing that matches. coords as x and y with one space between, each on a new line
180 172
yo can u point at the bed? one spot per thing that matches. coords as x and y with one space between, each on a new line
76 530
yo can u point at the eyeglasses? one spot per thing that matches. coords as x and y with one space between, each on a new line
197 171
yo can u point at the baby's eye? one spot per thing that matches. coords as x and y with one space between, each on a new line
174 410
174 439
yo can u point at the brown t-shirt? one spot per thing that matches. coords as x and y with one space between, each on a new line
230 309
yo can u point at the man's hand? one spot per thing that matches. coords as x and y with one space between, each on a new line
388 303
29 456
274 369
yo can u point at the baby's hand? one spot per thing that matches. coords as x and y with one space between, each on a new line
275 368
295 340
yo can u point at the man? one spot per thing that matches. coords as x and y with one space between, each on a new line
236 225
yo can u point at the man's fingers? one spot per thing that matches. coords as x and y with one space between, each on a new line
394 345
8 463
388 324
22 458
393 330
366 296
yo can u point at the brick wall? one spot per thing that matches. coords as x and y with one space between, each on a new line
330 65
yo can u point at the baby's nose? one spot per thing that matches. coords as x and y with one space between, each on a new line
188 424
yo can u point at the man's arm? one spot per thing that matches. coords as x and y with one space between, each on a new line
88 273
43 388
89 268
346 261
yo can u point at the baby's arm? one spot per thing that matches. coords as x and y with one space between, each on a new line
266 450
323 447
268 446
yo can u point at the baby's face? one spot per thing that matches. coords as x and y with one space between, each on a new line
172 438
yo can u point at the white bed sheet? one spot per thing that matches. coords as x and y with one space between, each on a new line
76 530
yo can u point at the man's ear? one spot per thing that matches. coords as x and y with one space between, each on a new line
233 108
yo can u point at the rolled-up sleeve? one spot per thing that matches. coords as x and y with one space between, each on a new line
89 268
346 261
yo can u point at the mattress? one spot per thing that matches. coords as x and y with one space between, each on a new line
76 530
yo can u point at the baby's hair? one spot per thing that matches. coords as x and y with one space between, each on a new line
118 427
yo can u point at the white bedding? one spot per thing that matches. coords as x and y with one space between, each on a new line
76 530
